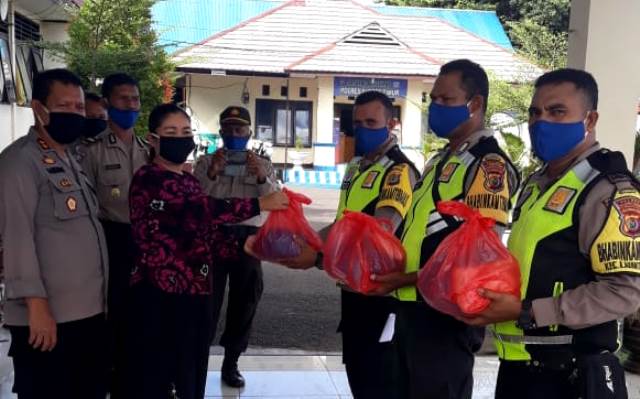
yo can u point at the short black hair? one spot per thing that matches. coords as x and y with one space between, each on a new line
582 80
44 80
160 113
91 96
117 79
371 96
474 78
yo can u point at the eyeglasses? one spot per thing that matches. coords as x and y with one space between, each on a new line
239 130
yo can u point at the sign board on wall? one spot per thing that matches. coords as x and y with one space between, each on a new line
352 87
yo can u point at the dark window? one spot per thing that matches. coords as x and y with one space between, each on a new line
266 89
8 88
284 123
303 92
29 61
26 29
284 91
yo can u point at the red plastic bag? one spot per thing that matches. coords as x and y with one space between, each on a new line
470 258
275 239
358 246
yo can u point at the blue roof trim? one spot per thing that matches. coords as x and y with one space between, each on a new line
182 23
484 24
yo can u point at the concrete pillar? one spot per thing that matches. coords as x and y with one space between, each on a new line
324 151
603 40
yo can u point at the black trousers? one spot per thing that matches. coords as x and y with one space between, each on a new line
77 368
120 247
245 290
371 366
435 353
595 377
167 344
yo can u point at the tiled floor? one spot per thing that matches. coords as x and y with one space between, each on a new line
320 377
317 377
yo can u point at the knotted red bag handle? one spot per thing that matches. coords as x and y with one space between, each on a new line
296 197
464 211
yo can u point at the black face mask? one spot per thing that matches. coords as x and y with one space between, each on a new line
176 149
65 127
94 126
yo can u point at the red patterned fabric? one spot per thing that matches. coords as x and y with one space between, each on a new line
177 229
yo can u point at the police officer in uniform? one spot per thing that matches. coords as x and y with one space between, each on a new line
111 160
95 123
435 350
378 182
235 172
55 257
575 234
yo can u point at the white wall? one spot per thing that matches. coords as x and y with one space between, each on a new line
24 119
603 40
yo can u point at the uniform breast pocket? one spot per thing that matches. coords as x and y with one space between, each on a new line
113 177
68 200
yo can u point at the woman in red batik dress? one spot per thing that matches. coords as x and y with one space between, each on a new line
176 231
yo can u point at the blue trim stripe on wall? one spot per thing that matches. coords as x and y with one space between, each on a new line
314 177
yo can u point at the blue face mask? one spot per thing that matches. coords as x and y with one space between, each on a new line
123 118
552 140
444 119
235 143
368 140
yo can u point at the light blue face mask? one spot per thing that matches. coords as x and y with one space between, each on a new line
444 119
554 140
368 140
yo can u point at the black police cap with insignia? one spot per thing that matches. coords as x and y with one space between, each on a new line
234 114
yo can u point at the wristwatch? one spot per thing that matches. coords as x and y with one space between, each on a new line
526 320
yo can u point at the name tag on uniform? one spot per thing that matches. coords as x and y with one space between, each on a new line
113 166
370 179
560 199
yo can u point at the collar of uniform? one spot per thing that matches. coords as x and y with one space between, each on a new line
391 142
39 141
473 139
540 176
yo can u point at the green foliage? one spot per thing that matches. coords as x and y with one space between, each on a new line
538 28
432 144
108 36
538 43
513 99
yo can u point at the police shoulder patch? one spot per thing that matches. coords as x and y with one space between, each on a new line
396 191
489 190
559 200
617 247
494 168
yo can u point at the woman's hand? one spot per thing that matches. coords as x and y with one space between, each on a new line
276 201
